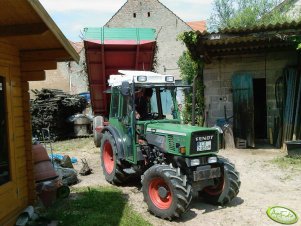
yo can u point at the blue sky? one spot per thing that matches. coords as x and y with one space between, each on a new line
73 15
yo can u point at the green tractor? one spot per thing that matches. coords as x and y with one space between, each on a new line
174 160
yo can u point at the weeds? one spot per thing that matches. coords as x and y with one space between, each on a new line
288 162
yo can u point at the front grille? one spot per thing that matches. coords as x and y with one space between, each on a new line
171 142
205 141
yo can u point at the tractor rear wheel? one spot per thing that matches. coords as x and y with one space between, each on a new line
165 191
111 166
226 187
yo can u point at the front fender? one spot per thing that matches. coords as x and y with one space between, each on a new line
117 137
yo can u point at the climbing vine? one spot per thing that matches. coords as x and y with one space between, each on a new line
191 68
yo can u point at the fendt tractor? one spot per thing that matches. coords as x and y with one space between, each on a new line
173 159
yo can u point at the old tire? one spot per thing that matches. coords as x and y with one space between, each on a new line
165 191
226 188
97 122
110 164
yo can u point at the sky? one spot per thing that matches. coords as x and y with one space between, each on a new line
72 16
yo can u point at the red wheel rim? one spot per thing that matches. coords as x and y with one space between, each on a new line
153 191
108 159
216 190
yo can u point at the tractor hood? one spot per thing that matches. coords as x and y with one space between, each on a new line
175 129
169 137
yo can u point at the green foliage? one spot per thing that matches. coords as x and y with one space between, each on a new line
189 68
95 206
245 13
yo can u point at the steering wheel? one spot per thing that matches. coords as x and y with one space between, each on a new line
154 115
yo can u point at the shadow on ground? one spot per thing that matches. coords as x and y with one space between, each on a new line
199 204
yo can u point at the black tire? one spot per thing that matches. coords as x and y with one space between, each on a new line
111 166
175 195
97 121
226 188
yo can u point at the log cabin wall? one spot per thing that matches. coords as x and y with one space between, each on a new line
19 191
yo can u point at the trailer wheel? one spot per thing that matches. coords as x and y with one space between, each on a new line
165 191
226 187
111 166
97 122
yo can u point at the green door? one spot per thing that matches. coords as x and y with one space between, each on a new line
243 107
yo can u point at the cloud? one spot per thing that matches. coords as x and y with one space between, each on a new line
82 5
73 15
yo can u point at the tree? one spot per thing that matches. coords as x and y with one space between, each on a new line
245 13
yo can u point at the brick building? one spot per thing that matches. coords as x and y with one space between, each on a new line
153 14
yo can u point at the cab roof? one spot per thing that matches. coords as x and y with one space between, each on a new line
140 77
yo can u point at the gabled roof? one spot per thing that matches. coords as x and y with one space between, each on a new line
26 25
146 1
198 25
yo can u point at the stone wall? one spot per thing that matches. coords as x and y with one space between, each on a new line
218 78
153 14
69 77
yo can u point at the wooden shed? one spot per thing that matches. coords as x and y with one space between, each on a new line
252 80
30 42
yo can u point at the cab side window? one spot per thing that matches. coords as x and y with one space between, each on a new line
4 149
114 103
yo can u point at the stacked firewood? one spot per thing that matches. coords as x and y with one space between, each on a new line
51 109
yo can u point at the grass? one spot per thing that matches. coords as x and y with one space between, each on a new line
104 206
288 162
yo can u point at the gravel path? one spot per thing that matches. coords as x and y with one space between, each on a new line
263 184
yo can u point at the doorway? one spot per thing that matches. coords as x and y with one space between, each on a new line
260 108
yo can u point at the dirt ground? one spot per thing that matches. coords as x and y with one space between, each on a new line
264 184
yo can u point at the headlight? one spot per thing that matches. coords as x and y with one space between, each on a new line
169 79
141 78
195 162
212 160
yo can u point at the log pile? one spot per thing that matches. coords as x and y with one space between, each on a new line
51 109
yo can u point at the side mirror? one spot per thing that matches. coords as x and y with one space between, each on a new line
125 88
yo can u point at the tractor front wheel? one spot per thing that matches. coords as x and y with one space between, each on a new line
165 191
226 187
111 166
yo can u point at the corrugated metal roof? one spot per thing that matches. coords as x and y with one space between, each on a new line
245 40
258 28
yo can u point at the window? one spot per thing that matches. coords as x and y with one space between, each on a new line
134 15
4 150
114 103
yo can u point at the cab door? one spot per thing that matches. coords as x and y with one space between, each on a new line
8 185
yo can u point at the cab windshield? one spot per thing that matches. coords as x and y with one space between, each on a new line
156 103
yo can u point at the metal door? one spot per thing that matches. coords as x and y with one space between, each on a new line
243 107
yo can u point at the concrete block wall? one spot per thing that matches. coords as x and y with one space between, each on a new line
153 14
218 77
